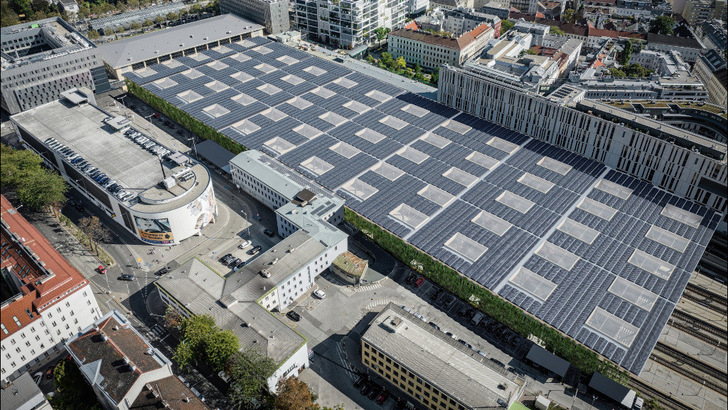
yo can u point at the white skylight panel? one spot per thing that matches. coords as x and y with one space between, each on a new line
515 202
288 60
614 189
413 155
345 82
317 165
483 160
388 171
667 238
192 74
315 71
492 223
265 68
299 102
436 195
269 89
215 110
460 176
502 145
165 83
279 145
145 72
393 122
557 255
651 264
333 118
578 231
465 247
246 126
243 99
378 95
217 86
613 327
198 57
323 92
537 183
345 150
246 43
263 50
678 214
292 79
633 293
554 165
597 209
409 216
221 49
418 112
436 140
217 65
240 57
307 131
370 135
241 76
172 63
274 114
357 107
359 189
456 126
189 96
533 284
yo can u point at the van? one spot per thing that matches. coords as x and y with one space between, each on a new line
477 318
638 402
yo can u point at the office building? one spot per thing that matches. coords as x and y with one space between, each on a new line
23 394
506 204
711 70
125 370
433 368
45 300
44 58
348 23
431 50
133 53
698 11
159 195
271 14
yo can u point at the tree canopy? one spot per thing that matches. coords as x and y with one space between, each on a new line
36 186
201 339
506 25
293 394
249 371
662 25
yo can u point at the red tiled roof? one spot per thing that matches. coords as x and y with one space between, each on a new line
46 280
412 32
540 15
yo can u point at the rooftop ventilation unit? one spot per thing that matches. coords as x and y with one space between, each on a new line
169 182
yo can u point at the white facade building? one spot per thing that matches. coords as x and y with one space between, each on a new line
51 300
417 6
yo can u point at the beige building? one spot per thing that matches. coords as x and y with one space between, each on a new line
432 50
433 368
698 11
711 70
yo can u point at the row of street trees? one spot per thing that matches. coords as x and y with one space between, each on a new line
36 187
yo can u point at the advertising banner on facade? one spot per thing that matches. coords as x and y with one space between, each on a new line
154 230
203 209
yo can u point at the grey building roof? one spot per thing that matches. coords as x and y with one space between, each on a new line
440 360
198 288
21 394
611 389
213 152
541 357
673 40
159 43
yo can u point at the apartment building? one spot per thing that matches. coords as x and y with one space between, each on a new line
44 58
431 367
417 6
711 70
690 49
272 14
431 50
348 23
698 11
462 20
493 7
525 6
681 162
45 299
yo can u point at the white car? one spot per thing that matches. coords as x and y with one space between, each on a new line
244 244
319 293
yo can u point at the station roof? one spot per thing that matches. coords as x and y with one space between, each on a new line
213 152
445 181
541 357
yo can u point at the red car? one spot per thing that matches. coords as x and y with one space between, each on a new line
419 281
101 269
156 115
382 398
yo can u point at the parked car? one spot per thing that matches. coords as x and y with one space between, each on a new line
366 388
156 115
419 281
101 269
375 392
447 332
162 271
255 250
226 257
498 362
319 293
240 265
293 316
433 324
127 277
411 279
38 377
244 244
270 233
234 262
383 397
79 206
359 380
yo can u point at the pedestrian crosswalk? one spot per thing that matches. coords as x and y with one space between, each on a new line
378 302
155 332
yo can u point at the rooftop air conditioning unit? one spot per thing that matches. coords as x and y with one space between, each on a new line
169 182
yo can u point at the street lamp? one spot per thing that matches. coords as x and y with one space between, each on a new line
194 144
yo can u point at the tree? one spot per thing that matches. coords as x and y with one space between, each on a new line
219 347
132 4
418 69
506 25
381 34
386 59
16 165
94 230
435 76
626 53
569 16
293 394
93 34
171 16
42 189
147 23
72 388
249 371
400 63
369 59
159 19
135 26
557 31
172 318
662 25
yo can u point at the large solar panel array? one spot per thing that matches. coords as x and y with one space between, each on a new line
597 254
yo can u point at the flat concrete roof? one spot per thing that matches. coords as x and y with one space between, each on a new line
159 43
